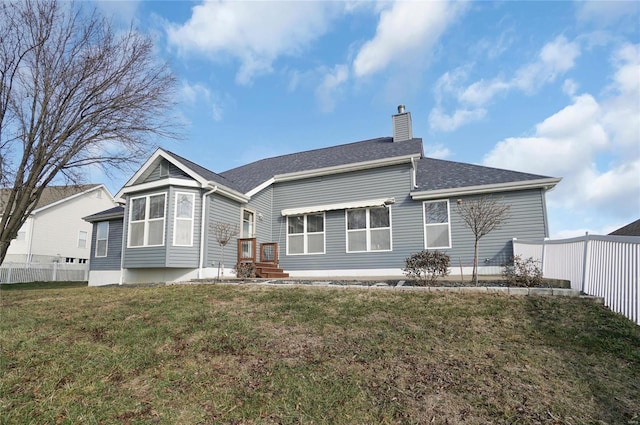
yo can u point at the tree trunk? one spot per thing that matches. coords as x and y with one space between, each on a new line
475 262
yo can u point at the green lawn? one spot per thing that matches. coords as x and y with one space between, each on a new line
205 354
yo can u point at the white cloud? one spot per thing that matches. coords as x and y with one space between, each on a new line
570 87
330 87
554 59
440 120
195 94
405 28
254 33
437 151
606 12
593 145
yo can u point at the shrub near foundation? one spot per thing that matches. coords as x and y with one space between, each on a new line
523 272
425 267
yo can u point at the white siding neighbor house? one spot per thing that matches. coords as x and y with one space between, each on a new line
55 230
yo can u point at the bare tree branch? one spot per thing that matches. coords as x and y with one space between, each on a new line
482 216
73 94
223 233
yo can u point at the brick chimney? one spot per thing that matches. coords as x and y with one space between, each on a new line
402 129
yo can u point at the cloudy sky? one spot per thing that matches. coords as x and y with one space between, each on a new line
551 88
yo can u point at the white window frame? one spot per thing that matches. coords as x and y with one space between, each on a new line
86 237
106 239
306 234
146 220
367 230
253 223
183 219
425 225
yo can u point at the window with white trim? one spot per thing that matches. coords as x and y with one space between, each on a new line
146 220
369 229
82 239
183 222
305 234
102 237
248 224
437 229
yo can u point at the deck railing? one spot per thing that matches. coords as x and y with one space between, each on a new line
247 248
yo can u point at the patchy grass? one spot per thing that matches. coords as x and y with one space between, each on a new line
256 355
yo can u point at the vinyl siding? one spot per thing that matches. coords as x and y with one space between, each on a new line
407 223
154 174
220 210
386 182
527 221
262 204
114 247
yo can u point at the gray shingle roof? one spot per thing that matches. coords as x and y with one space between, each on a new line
435 174
52 194
631 229
205 173
249 176
115 212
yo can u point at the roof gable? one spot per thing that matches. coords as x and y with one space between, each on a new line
53 195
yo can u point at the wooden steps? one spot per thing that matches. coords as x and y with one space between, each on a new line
268 271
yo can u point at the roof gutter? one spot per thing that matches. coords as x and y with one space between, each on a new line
546 184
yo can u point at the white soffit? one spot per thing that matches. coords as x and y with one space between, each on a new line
339 206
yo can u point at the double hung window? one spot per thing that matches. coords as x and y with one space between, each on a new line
147 220
437 230
102 236
183 226
369 229
305 234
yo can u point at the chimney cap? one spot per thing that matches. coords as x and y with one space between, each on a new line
401 109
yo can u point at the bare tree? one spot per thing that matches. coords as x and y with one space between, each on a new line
482 215
224 232
74 94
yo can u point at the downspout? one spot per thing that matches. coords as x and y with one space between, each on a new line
123 246
414 183
202 227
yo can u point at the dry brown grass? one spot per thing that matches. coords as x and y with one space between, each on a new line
254 355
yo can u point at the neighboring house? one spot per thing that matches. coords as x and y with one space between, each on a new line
631 229
356 209
55 230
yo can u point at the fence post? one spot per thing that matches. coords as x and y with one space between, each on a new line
55 271
9 274
544 255
585 262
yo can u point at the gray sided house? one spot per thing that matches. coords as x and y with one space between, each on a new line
356 209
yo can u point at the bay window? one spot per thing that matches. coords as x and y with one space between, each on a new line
147 220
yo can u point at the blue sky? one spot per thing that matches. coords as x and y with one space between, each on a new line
551 88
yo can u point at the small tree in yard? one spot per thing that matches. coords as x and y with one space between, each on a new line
74 94
426 266
482 215
224 232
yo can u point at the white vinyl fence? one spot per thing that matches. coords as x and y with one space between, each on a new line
43 272
603 266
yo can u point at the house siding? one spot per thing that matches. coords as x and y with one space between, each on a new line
527 221
262 204
386 182
154 174
114 247
220 210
